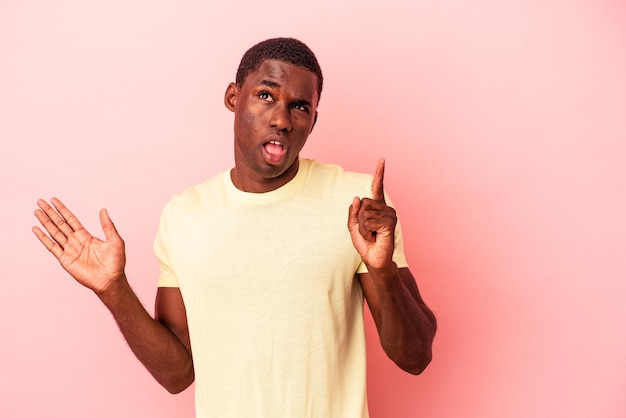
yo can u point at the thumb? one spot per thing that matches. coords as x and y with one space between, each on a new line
353 214
107 226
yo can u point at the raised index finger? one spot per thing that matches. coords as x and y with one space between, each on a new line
377 185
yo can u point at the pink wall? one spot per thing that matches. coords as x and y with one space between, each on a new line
504 128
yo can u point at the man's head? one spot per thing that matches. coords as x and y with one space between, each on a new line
274 99
282 49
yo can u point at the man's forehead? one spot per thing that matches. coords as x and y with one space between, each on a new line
281 74
276 69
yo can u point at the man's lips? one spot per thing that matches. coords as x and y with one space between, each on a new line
275 151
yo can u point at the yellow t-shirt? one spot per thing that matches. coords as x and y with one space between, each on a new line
275 312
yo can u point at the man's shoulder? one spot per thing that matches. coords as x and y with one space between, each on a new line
333 178
198 194
319 169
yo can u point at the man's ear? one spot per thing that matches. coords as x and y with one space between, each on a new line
314 122
230 97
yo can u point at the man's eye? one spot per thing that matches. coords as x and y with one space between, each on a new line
264 96
301 108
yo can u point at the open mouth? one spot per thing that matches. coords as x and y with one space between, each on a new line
275 151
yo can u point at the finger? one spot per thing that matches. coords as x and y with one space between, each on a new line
355 224
55 233
50 244
353 213
110 232
55 218
67 215
367 225
376 217
357 228
375 222
377 185
364 215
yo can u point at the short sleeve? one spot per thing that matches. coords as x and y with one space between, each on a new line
161 250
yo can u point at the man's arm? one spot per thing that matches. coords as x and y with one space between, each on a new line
406 326
161 344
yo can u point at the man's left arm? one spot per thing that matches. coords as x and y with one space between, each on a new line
405 324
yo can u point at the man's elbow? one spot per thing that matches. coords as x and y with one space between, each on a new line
176 388
416 364
423 354
419 363
416 357
176 384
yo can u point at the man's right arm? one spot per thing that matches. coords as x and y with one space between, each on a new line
161 344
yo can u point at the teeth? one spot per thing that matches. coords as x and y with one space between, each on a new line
276 143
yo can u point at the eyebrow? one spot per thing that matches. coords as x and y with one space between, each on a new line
269 83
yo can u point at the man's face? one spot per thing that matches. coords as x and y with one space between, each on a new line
275 110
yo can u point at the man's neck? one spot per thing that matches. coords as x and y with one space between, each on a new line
254 183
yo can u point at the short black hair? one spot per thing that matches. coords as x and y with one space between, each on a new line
288 50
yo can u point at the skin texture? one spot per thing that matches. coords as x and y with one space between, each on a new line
275 111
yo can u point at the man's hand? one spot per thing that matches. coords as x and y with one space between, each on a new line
372 224
94 263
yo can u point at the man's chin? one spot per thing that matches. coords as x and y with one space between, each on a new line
284 167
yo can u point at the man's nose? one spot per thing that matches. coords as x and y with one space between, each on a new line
281 117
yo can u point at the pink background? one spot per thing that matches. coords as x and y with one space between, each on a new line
504 129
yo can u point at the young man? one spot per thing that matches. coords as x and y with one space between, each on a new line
260 278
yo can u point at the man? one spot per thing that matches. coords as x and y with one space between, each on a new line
260 278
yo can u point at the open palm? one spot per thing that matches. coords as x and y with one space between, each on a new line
92 262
